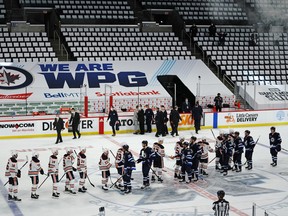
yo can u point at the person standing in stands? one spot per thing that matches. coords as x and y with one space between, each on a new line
222 38
197 114
254 38
218 102
212 30
58 125
113 116
193 31
141 119
75 121
149 115
186 106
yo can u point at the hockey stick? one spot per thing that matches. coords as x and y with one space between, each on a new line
213 134
117 180
20 168
211 160
255 145
158 177
284 149
43 181
113 154
87 173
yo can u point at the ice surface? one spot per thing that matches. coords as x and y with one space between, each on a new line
264 185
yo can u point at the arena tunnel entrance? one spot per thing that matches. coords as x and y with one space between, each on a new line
176 88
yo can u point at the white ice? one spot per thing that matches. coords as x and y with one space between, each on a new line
264 185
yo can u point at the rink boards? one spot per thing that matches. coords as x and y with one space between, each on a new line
40 127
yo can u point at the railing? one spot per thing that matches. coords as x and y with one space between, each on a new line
67 53
57 36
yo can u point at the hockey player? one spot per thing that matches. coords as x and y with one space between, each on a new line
104 166
186 157
158 163
275 145
249 148
68 161
120 167
129 166
34 170
204 156
82 169
196 155
53 169
178 163
13 173
238 150
221 206
146 156
227 151
218 153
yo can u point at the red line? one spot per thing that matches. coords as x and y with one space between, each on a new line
192 186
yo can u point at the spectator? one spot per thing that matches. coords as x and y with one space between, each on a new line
222 37
141 119
74 122
135 120
165 119
193 31
186 106
212 30
58 125
149 115
197 114
218 102
113 116
174 121
254 39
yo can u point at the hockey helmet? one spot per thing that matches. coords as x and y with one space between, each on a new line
14 153
125 147
160 140
193 138
226 135
237 133
273 128
35 154
220 194
145 142
247 131
68 150
83 149
185 143
54 151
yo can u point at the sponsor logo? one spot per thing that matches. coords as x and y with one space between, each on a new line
62 95
17 125
84 124
16 96
229 118
57 75
241 117
129 93
14 78
275 94
186 120
280 115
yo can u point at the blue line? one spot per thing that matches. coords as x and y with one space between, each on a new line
12 205
215 119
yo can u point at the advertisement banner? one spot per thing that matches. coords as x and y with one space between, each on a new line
58 81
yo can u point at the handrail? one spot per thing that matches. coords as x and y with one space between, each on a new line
64 48
58 37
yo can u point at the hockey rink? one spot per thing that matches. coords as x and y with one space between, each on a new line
264 185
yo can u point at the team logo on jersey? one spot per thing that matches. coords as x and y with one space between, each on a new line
14 78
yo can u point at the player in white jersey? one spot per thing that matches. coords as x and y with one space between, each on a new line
204 156
221 206
178 163
13 173
158 162
104 166
82 169
68 161
34 170
53 171
119 164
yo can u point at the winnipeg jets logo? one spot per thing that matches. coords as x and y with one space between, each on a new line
8 77
14 78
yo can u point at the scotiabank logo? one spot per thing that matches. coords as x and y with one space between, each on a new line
17 125
14 78
129 93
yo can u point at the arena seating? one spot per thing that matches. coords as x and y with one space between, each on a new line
265 63
202 10
25 47
87 11
123 43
